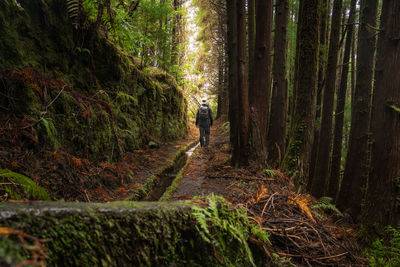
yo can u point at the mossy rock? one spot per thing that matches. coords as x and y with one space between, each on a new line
122 234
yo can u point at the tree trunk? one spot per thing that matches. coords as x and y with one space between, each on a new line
356 169
323 51
243 87
301 135
340 105
233 77
277 122
260 89
381 207
325 136
252 36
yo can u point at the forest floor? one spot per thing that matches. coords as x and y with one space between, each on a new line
302 231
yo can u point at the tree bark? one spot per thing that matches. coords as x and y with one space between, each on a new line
277 123
325 136
340 105
243 87
260 90
323 51
381 207
233 80
356 169
252 36
301 134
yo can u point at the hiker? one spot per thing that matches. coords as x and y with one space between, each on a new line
204 119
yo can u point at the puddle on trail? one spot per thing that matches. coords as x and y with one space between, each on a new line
190 151
165 179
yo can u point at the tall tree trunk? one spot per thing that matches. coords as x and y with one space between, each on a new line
340 105
233 77
356 169
260 89
325 136
243 87
323 52
381 207
301 134
252 36
277 123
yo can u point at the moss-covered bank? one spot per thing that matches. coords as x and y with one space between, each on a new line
96 113
126 233
56 104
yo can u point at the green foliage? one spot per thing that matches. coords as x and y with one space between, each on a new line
220 218
74 11
12 252
324 204
19 186
385 252
282 261
270 173
128 97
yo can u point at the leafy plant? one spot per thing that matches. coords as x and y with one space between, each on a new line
220 218
21 185
269 173
74 8
324 203
385 253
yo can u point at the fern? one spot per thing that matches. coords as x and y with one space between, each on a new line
270 173
218 219
324 203
387 253
22 184
74 8
127 97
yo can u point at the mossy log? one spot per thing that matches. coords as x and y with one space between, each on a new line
116 234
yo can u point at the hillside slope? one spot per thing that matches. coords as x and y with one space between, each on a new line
59 97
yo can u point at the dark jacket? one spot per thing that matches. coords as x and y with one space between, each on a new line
204 123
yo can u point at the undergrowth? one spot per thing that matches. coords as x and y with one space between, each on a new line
218 220
385 251
19 186
324 204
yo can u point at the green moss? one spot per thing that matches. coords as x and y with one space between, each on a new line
127 233
19 186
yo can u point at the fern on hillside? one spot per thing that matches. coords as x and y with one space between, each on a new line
387 253
74 8
218 219
324 203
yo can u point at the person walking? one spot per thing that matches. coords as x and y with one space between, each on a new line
204 120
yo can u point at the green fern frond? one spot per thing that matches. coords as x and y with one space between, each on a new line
128 97
270 173
220 220
324 203
74 8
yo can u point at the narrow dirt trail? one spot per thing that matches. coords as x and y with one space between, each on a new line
198 176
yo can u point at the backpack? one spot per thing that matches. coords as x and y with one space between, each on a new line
204 114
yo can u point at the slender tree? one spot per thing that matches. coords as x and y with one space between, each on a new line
356 169
243 87
325 136
301 134
340 105
277 124
381 207
231 7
